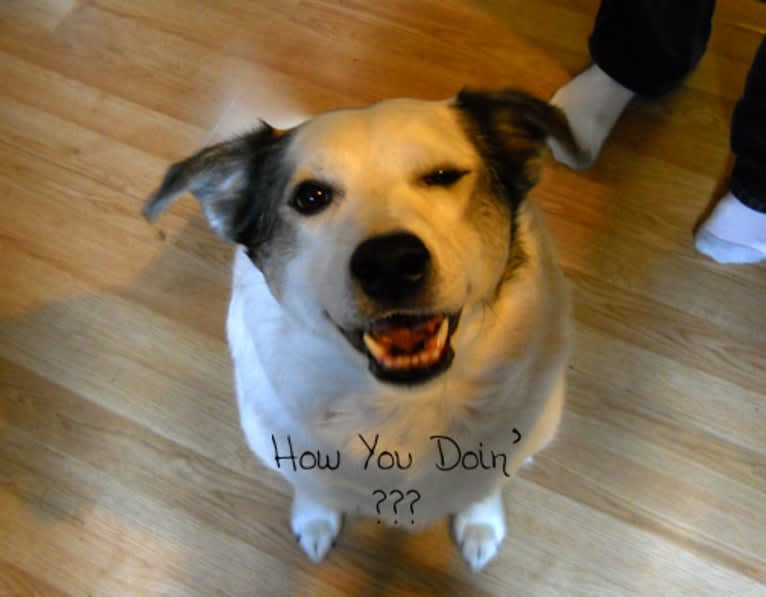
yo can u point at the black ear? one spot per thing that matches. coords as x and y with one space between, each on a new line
226 178
510 128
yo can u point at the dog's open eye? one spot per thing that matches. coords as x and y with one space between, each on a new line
311 197
443 177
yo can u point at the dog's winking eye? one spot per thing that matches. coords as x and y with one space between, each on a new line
311 197
443 177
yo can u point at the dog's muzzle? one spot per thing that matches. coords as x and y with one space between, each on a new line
402 347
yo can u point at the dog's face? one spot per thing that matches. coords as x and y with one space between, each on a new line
380 226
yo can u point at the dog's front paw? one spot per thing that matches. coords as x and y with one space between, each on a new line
315 526
479 531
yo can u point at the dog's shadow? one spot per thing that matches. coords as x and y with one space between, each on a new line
394 562
119 405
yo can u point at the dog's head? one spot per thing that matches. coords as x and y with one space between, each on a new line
383 224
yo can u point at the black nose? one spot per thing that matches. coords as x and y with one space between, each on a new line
391 267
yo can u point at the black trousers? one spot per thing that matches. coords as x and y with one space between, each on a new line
650 46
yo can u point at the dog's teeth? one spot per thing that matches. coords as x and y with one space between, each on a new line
441 338
426 357
378 351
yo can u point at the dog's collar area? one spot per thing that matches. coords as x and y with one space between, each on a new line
407 349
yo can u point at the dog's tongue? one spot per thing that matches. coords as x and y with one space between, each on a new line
407 339
403 339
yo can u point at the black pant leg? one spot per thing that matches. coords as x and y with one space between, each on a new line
649 46
748 137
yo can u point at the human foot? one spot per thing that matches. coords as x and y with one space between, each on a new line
592 102
733 233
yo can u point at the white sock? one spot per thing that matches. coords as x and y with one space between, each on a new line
734 233
592 102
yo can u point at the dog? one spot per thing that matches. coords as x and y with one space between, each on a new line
399 324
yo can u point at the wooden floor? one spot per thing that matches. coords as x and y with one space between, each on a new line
122 467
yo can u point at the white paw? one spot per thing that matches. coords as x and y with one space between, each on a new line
479 544
315 527
479 531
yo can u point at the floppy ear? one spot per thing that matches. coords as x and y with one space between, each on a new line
226 178
509 128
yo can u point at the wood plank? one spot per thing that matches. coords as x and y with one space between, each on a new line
691 402
93 155
107 115
108 246
97 541
457 37
15 581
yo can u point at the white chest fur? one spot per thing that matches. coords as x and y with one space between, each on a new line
311 411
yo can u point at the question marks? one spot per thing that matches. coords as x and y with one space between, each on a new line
395 505
380 501
413 502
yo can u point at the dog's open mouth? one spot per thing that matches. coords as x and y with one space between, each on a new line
409 349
